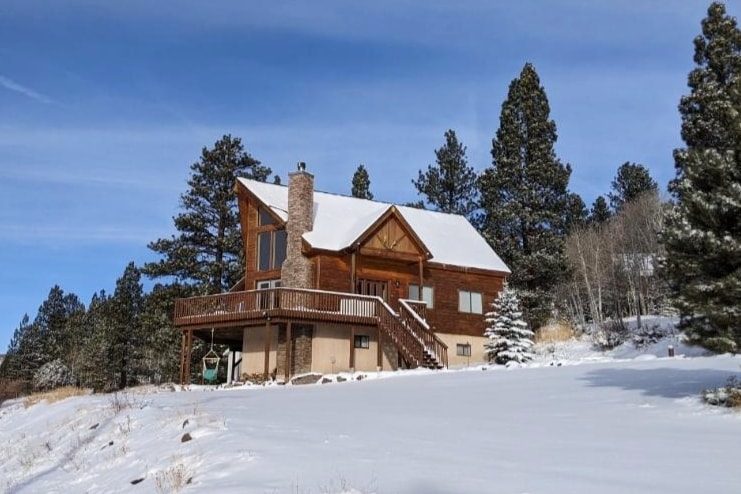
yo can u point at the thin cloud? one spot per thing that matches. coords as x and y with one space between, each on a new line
25 91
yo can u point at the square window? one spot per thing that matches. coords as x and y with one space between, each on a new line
463 349
362 341
428 294
470 302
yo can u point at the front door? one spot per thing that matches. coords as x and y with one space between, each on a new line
374 288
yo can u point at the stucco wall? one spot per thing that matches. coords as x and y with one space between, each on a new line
477 349
333 343
253 349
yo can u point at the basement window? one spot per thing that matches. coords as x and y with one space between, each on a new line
362 341
470 302
463 349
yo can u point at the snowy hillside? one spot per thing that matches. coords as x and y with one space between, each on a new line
599 425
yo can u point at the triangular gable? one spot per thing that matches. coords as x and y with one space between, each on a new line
245 195
391 236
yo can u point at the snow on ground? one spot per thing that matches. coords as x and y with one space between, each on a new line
597 423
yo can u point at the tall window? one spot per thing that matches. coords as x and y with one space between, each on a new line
428 294
470 302
271 249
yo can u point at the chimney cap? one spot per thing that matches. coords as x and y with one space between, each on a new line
301 166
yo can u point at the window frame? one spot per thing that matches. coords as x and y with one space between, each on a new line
466 302
361 341
274 236
463 349
426 289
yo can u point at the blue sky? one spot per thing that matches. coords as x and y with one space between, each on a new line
104 105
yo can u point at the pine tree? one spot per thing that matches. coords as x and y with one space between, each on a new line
702 234
525 197
632 180
208 249
12 365
361 183
600 212
125 337
161 351
93 370
509 337
450 185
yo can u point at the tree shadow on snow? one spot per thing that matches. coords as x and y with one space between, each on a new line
664 382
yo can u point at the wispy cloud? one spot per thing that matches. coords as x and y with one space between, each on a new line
11 85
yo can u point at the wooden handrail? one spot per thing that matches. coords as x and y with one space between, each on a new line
416 323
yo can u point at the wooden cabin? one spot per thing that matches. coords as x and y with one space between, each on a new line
335 283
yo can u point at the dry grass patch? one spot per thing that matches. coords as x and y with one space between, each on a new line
172 479
54 395
554 332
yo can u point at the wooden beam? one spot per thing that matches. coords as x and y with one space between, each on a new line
352 272
267 350
288 351
352 347
379 356
421 278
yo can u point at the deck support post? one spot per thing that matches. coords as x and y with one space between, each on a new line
288 352
267 350
185 349
352 348
379 356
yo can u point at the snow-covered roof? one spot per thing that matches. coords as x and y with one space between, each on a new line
339 221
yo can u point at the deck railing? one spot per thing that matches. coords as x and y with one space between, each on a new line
408 329
240 307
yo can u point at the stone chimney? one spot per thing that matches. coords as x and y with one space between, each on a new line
297 269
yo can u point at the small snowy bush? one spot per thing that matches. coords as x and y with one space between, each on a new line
52 375
728 396
610 334
650 334
509 337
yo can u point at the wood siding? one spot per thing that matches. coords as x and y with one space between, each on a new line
374 260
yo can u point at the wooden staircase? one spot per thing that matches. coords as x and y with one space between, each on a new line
415 341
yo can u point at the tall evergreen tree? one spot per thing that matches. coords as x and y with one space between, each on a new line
525 198
361 183
702 234
450 185
12 365
600 212
632 180
125 337
208 248
509 337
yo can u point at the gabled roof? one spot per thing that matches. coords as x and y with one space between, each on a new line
339 221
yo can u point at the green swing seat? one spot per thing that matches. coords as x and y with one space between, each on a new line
210 367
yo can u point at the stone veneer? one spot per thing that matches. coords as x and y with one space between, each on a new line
297 270
301 335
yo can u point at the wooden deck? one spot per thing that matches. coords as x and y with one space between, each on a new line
228 313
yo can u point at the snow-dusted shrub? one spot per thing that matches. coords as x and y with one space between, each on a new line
728 396
649 334
509 337
610 334
52 375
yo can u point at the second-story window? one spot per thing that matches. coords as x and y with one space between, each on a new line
470 302
271 249
428 294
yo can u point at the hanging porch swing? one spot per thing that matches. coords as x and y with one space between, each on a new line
211 363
